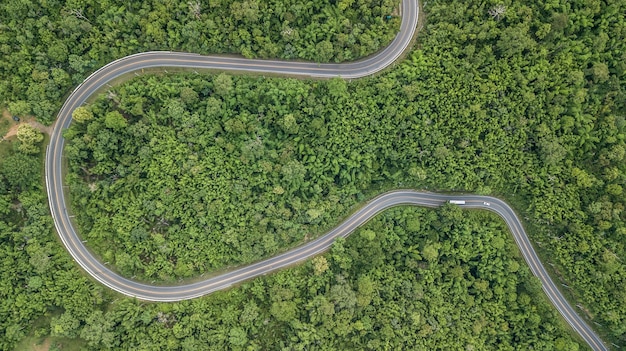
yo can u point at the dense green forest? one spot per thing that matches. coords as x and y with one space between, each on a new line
523 100
409 279
192 173
36 274
47 47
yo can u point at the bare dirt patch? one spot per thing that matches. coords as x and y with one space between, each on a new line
6 116
36 344
44 346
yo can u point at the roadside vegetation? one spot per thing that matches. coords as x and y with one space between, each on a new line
49 47
183 174
179 175
409 279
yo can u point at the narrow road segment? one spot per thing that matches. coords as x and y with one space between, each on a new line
371 65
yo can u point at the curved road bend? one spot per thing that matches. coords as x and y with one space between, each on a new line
362 68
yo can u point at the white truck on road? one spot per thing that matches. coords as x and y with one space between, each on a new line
457 202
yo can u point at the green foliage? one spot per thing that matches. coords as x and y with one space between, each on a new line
367 234
64 41
82 114
36 274
401 303
19 108
65 325
20 171
430 253
320 265
115 120
529 104
29 138
510 113
283 311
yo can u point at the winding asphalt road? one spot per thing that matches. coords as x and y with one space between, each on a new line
368 66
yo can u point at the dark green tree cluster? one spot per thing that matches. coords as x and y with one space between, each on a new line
177 176
553 75
411 279
36 274
520 99
46 47
506 100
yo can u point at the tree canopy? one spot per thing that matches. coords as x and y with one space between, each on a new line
524 100
50 46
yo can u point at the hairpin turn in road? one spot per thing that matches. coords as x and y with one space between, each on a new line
362 68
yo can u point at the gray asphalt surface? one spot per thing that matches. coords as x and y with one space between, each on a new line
362 68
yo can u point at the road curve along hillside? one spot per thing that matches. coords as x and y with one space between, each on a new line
357 69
